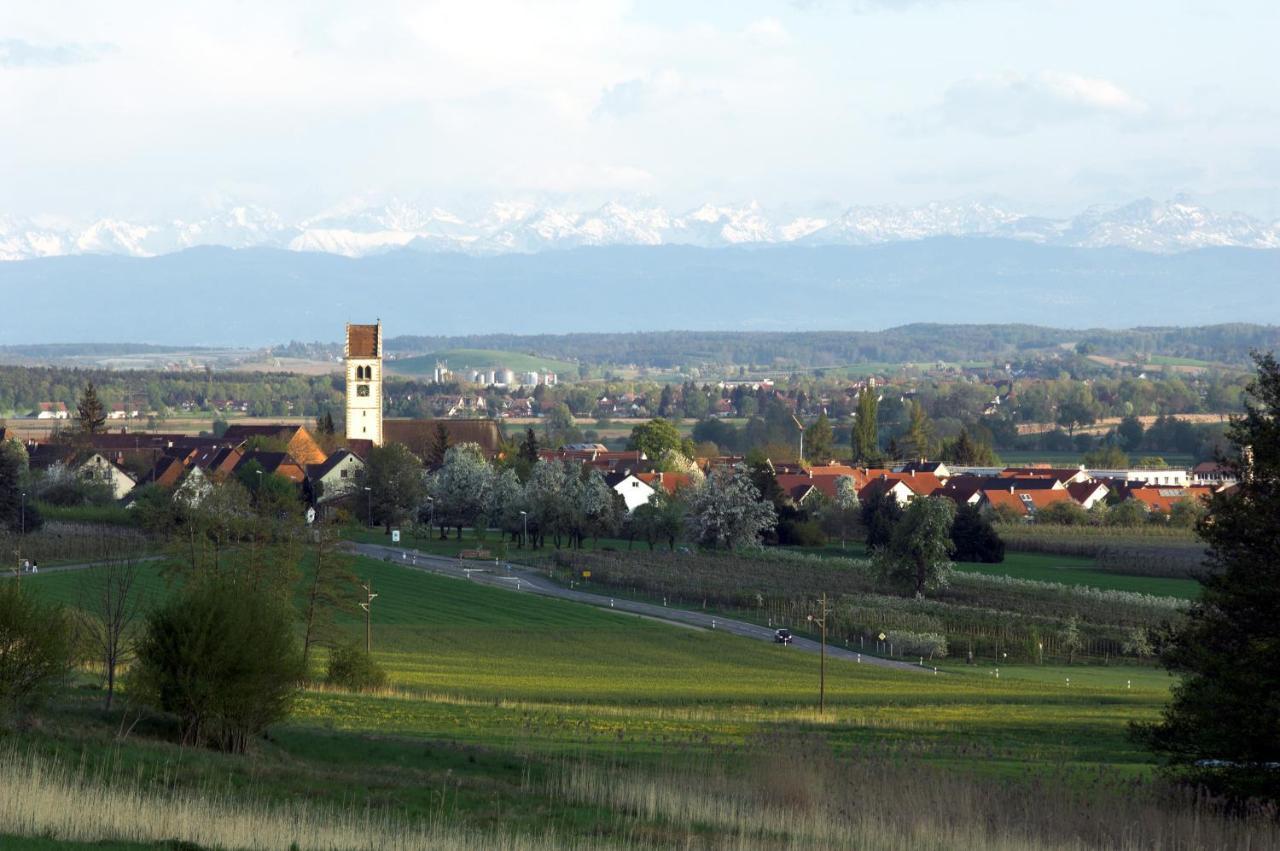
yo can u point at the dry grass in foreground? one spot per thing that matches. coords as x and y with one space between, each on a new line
795 794
39 798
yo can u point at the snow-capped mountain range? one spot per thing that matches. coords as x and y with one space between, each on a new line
356 230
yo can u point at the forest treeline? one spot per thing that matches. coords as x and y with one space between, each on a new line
1227 344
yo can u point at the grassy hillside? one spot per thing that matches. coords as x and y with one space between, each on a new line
460 359
549 722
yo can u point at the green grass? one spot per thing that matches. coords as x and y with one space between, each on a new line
1042 567
494 691
461 359
1074 570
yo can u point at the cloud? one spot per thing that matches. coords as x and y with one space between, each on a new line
639 95
16 53
1012 103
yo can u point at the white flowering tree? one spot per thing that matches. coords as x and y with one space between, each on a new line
593 508
673 461
841 515
727 511
548 495
461 489
506 501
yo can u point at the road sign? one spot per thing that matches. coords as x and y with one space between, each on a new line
586 574
395 536
883 636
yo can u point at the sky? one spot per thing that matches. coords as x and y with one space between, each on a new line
149 110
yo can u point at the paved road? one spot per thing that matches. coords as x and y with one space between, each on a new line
520 579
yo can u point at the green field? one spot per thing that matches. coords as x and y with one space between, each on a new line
461 359
1073 570
495 694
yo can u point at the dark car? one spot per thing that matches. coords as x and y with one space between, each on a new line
782 636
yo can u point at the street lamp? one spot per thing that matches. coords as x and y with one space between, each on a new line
524 518
368 492
431 515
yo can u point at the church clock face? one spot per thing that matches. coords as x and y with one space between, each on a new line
362 389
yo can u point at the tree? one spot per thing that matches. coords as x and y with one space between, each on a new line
1064 513
662 518
1109 457
506 502
90 413
1070 639
591 505
866 437
439 445
1080 408
974 538
1187 513
841 515
560 427
918 440
1138 643
226 663
880 514
967 452
529 447
918 555
1129 433
330 587
547 495
395 482
461 489
1222 728
819 439
35 651
728 511
655 438
107 618
13 473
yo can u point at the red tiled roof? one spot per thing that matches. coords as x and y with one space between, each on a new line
1164 499
362 341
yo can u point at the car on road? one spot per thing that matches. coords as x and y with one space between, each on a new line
782 636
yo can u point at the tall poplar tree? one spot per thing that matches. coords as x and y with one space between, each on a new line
865 437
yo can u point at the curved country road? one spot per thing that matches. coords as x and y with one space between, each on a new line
516 578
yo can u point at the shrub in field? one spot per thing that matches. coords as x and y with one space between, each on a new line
35 651
222 659
353 669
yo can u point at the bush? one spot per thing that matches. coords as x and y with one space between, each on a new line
801 533
929 644
1065 513
35 651
351 668
224 660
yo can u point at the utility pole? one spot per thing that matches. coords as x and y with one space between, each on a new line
367 605
800 426
821 621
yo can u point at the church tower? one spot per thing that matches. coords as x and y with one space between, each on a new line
364 382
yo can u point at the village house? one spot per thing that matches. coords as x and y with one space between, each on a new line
336 478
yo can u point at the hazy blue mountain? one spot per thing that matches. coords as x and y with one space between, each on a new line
257 296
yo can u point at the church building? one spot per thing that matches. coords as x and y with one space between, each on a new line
364 375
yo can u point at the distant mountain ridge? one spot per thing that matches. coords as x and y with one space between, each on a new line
524 228
256 296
